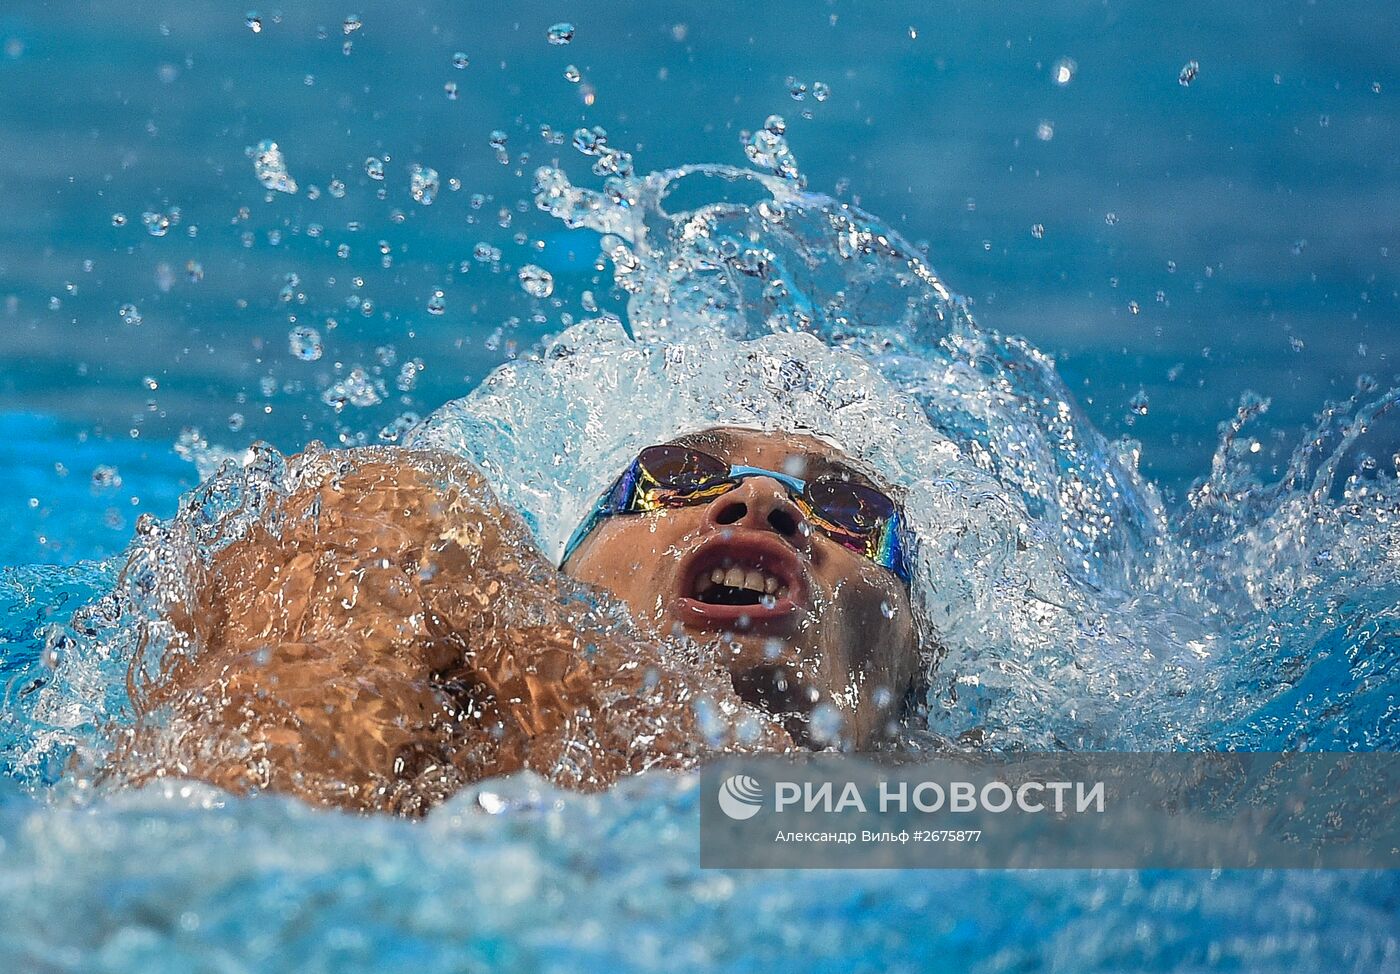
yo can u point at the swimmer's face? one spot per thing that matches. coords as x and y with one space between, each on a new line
831 649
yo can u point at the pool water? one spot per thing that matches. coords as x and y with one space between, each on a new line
1228 578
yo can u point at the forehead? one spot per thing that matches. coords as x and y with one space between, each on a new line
796 454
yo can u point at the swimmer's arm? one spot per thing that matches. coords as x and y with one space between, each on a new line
390 633
309 669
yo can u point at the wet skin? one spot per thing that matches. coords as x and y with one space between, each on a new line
831 650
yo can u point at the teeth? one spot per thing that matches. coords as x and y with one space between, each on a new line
730 575
734 576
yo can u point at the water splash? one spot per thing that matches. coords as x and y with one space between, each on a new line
1060 606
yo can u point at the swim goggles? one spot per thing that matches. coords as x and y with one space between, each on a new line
852 514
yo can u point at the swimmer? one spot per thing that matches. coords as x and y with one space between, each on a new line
387 632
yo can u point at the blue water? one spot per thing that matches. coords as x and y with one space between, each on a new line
1260 201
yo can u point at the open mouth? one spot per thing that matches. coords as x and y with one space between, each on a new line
741 580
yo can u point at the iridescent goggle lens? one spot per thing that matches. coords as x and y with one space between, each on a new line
854 515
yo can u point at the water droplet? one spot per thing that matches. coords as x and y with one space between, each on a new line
423 184
887 610
437 303
768 149
106 477
460 61
536 281
560 34
352 24
825 724
1038 231
1189 70
401 425
358 388
571 74
305 343
157 224
253 21
497 139
374 167
271 168
130 314
1062 73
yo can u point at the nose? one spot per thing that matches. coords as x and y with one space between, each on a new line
762 503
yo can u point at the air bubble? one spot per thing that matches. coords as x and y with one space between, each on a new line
1189 70
560 34
130 314
536 281
1110 218
797 90
821 91
460 61
118 219
450 90
1063 71
571 74
1045 131
352 24
437 303
1038 231
254 21
374 167
1139 403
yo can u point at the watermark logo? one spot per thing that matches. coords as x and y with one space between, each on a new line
740 797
